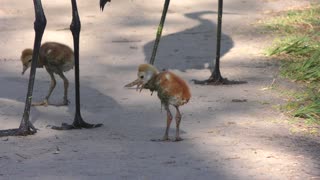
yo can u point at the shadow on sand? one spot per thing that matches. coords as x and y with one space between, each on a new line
53 113
188 53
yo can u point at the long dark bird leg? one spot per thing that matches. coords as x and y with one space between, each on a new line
216 74
159 31
216 77
26 127
75 28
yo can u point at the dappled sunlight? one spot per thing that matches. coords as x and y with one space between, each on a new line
10 111
229 131
243 143
248 157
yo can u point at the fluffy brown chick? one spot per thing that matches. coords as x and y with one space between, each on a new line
171 90
56 58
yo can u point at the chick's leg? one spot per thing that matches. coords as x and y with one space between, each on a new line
169 119
66 85
178 120
53 83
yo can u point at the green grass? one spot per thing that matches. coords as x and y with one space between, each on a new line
306 69
298 48
305 105
295 20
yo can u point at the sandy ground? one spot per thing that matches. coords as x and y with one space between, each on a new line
222 139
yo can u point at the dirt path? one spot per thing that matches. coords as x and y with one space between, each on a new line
222 139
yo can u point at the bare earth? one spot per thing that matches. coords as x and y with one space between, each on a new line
223 139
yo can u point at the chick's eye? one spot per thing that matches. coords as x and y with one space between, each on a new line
30 60
141 76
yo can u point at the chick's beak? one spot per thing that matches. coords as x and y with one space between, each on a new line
24 70
137 82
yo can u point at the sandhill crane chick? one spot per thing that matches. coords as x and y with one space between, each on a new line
56 58
171 89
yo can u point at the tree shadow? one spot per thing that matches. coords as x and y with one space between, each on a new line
181 51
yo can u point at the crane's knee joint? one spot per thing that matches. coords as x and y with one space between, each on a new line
40 24
75 26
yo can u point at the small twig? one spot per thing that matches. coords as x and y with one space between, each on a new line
21 156
125 41
239 100
57 150
63 29
273 81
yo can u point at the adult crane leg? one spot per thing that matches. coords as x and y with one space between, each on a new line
26 127
159 31
75 28
216 77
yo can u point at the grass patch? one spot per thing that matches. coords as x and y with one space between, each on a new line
305 106
298 48
303 69
295 20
